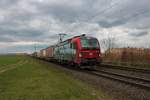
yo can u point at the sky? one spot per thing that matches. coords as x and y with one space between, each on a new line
26 23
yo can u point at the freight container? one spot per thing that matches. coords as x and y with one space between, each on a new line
43 53
49 52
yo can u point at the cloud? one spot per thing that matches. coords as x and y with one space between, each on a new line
25 22
138 33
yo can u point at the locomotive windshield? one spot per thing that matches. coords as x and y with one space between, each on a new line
89 43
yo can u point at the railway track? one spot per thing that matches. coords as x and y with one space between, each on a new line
135 81
127 79
140 70
124 78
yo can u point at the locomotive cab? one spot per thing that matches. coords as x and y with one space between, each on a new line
89 53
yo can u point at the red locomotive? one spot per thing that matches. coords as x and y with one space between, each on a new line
79 50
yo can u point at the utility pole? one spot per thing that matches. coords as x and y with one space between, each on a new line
61 36
35 47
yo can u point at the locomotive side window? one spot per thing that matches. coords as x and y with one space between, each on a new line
70 45
74 46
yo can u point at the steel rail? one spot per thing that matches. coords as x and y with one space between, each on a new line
121 78
141 70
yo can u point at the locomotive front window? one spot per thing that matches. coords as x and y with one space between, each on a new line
89 43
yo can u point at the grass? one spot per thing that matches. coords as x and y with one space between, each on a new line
32 80
9 59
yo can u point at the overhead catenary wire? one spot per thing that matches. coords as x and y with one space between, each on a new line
113 5
106 9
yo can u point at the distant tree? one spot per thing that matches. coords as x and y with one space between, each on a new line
108 43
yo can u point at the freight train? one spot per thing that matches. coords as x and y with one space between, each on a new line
80 51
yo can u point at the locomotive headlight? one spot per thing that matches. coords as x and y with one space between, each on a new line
99 55
80 55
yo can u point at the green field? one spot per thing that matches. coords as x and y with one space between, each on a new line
6 60
24 78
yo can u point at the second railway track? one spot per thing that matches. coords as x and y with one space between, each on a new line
122 77
141 70
143 83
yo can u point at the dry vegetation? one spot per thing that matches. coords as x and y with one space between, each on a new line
128 56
